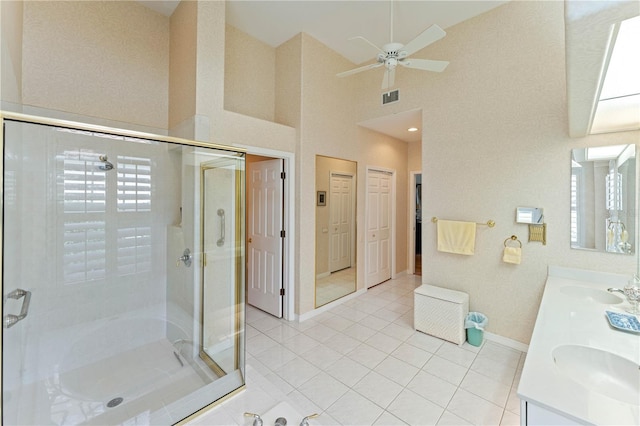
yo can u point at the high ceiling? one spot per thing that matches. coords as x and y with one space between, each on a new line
334 22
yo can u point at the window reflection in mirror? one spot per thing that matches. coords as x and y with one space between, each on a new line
335 229
603 198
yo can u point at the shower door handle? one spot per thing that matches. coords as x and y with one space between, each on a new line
220 242
10 320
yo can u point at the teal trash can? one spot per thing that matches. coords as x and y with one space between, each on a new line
475 324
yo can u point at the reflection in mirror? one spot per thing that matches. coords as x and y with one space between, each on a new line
529 215
335 229
603 198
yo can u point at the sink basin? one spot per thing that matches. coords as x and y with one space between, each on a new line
600 371
591 294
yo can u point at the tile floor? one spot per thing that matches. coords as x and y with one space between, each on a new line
362 363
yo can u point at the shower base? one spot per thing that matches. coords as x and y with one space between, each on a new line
147 379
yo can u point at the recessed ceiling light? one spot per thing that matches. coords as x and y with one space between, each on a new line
412 129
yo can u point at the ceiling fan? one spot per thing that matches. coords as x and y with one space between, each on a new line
393 54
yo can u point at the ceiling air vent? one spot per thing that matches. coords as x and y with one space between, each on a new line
389 97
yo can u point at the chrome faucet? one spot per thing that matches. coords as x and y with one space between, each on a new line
617 290
305 421
257 421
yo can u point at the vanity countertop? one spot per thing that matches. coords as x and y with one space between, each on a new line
567 319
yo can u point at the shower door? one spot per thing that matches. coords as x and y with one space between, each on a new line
107 305
222 187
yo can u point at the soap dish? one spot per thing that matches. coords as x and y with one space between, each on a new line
623 321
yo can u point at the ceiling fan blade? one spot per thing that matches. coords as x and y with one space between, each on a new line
428 36
360 69
388 80
425 64
368 42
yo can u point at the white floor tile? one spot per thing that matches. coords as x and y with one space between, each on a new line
474 409
396 370
347 371
384 343
297 371
494 369
321 356
378 389
342 343
323 390
367 355
414 409
388 419
397 331
432 388
486 388
281 333
510 419
424 341
450 419
359 332
456 354
275 357
446 370
338 323
321 333
354 409
412 355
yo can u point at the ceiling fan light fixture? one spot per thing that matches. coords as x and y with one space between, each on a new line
394 53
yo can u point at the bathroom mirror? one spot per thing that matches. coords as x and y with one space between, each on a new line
335 229
603 199
529 215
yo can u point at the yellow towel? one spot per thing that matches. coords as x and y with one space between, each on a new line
456 237
512 255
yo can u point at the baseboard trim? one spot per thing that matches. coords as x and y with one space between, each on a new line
510 343
330 305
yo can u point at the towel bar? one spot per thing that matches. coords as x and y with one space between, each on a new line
490 223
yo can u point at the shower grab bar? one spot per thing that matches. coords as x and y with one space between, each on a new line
221 239
10 320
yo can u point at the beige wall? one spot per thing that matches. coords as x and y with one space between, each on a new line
495 138
11 39
101 58
414 151
182 66
249 75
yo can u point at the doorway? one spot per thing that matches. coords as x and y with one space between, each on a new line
380 241
269 237
415 215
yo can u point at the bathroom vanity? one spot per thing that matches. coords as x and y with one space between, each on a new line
580 369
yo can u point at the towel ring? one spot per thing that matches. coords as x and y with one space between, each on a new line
513 238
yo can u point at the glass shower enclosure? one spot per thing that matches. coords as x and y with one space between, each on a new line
122 275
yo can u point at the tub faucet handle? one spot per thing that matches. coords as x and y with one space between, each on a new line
257 421
305 421
185 258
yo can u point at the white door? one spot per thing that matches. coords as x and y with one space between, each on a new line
378 227
340 234
264 239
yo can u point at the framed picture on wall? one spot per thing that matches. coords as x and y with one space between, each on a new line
322 198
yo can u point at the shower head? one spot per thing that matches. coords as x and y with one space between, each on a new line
106 165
